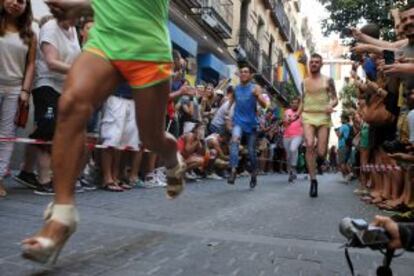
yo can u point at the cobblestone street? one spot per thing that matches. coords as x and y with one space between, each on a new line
213 229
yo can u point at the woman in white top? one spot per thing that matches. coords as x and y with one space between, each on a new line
58 48
17 64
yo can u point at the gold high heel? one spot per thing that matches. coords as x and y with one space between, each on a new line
175 178
46 250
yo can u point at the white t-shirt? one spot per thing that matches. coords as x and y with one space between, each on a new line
225 111
67 44
13 55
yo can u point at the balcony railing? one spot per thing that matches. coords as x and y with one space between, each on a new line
251 46
218 15
282 20
293 42
266 67
197 4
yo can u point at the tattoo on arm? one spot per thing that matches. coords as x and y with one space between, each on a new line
332 91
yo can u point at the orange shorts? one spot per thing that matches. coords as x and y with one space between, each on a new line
139 74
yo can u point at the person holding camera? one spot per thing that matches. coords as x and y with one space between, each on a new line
401 234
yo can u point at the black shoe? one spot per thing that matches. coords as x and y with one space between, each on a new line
313 188
291 177
232 178
28 180
253 181
45 189
319 162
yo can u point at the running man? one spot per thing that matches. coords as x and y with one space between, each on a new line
246 97
129 42
319 100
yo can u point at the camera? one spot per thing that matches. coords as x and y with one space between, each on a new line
361 235
394 146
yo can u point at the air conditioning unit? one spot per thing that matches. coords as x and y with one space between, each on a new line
209 20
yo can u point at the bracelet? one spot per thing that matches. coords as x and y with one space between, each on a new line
25 90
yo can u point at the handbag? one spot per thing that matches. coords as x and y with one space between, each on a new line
22 114
375 113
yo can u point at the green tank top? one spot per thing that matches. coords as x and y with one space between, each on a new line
131 30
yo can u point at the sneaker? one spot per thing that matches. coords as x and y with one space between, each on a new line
232 178
190 176
160 173
45 189
28 180
138 183
86 185
214 176
78 187
152 181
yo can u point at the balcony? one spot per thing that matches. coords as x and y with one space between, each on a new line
218 15
282 20
191 4
292 43
251 46
266 67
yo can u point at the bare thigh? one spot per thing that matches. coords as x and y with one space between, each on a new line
309 133
323 137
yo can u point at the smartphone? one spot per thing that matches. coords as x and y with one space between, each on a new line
389 56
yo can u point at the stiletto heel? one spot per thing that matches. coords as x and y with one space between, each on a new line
45 250
175 178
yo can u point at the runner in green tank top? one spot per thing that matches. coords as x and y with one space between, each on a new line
129 42
319 99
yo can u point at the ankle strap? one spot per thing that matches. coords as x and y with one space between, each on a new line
62 213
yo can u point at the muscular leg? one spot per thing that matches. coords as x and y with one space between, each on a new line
90 81
309 132
152 124
322 146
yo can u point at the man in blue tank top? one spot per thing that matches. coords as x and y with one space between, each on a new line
246 97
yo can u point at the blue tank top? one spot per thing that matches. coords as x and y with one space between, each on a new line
245 108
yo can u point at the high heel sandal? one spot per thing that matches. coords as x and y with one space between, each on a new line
46 250
175 178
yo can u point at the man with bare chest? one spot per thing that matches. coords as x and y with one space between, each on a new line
319 100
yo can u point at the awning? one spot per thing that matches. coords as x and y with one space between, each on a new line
182 39
211 62
292 66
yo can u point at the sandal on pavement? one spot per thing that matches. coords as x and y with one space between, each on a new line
175 178
45 250
112 187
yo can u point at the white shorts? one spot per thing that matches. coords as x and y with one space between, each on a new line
119 128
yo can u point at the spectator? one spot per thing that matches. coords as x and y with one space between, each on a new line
17 64
344 133
58 47
293 137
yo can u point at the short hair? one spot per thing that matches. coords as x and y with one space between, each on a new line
245 65
316 55
409 6
372 30
295 99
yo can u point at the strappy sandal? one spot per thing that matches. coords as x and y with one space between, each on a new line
112 187
175 178
45 250
124 185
